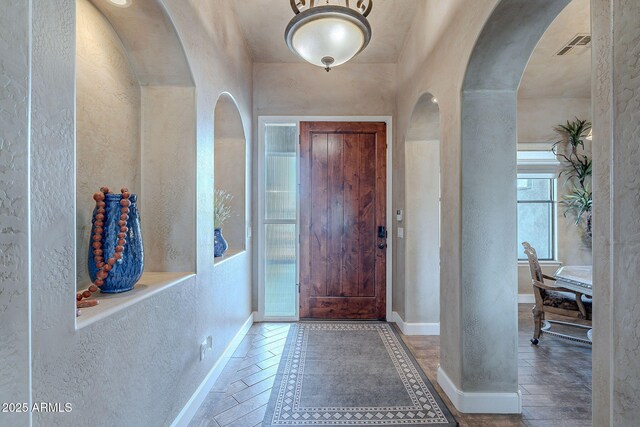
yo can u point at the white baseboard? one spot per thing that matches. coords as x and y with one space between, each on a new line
526 299
190 409
480 403
414 328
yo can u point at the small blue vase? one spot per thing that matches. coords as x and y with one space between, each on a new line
127 270
220 245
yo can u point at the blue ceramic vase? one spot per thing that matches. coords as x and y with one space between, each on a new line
127 270
220 245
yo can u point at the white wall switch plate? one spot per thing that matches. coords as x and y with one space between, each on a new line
400 233
399 215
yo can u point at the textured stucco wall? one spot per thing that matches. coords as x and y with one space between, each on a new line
167 201
14 209
121 368
602 94
616 91
537 117
304 90
107 121
422 229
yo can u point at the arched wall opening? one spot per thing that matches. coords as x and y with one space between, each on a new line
555 89
135 128
230 160
479 363
422 215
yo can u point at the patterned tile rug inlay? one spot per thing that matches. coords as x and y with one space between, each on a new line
351 374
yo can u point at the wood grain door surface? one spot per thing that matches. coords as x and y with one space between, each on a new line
342 204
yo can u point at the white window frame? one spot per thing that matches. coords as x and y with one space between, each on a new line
542 165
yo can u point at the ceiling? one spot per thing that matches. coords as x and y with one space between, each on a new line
550 76
264 21
547 75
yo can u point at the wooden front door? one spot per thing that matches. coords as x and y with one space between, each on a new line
342 207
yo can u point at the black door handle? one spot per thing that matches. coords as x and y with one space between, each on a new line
382 246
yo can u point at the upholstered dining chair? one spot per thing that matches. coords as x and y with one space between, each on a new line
553 299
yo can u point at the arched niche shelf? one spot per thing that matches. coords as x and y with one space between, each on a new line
230 154
422 213
135 121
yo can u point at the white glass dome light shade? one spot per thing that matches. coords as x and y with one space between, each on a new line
121 3
336 38
328 35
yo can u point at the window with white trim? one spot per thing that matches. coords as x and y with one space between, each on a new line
537 203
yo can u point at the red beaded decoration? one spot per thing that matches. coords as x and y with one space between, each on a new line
98 254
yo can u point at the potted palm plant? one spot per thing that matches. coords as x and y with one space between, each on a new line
577 170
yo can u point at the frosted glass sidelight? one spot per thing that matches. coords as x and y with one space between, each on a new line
280 216
280 138
280 171
280 270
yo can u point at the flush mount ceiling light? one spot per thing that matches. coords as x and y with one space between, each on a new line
328 35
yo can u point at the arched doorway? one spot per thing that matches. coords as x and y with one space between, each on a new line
480 370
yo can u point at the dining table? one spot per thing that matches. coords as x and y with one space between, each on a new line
578 278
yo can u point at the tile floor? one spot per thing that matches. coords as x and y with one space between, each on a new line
555 380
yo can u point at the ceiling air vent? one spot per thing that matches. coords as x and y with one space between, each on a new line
578 43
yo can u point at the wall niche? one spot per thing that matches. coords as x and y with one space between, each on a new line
230 159
422 219
135 127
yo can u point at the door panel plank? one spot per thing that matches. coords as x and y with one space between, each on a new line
336 214
351 265
319 214
367 227
305 221
381 218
